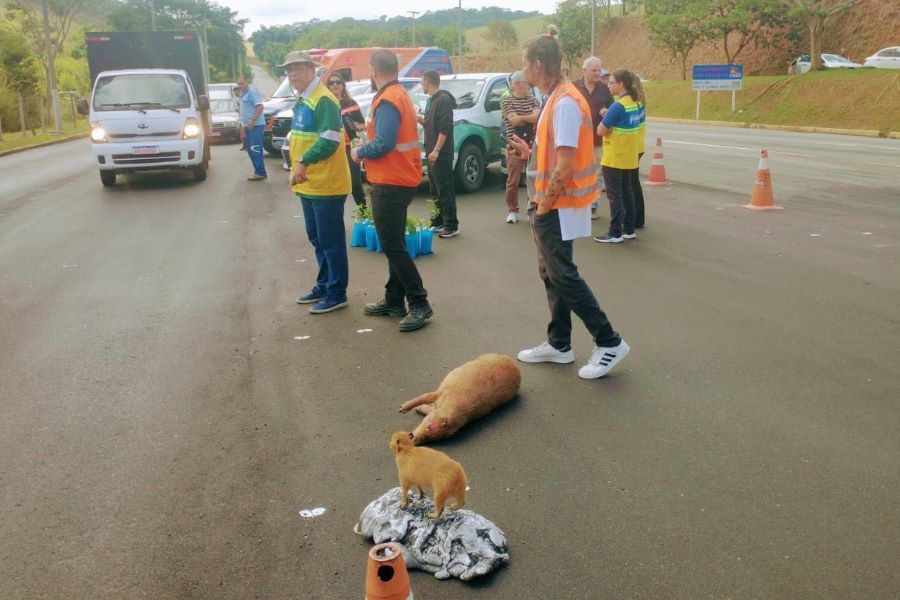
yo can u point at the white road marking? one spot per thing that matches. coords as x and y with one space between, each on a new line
311 513
712 145
301 337
363 330
70 266
835 144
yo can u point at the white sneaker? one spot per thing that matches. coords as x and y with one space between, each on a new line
602 360
512 218
629 236
546 353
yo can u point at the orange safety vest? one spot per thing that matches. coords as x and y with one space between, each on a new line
581 188
402 165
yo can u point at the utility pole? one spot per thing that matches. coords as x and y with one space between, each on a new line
152 16
593 26
414 13
51 69
461 70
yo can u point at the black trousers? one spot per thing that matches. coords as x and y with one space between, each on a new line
621 200
567 292
359 195
638 193
389 209
442 186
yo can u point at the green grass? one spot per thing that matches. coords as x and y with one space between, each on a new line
13 140
842 99
525 30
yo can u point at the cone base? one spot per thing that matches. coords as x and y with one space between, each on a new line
772 207
648 182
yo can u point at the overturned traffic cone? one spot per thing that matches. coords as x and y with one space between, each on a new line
657 168
386 576
762 198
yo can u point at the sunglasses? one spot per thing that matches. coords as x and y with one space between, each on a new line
335 82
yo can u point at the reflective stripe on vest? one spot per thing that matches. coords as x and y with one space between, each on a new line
402 165
581 188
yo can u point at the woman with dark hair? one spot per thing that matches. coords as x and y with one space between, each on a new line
353 123
622 141
562 184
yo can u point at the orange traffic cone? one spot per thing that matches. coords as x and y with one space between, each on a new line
386 576
761 198
657 168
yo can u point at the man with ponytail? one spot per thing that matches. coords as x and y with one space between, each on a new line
562 184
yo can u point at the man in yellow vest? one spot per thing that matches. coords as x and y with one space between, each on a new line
394 168
320 177
562 184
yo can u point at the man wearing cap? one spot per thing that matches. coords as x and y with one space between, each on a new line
320 177
599 99
251 107
394 167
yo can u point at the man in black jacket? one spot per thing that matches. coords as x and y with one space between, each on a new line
438 125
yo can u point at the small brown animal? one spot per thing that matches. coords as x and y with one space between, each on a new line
468 392
427 468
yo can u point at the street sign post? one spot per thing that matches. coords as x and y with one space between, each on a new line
716 78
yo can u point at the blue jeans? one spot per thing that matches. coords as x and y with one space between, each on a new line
253 138
324 218
567 292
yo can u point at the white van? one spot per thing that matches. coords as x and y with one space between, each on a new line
147 119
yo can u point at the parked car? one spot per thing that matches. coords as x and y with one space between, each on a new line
886 58
801 64
476 124
229 88
226 120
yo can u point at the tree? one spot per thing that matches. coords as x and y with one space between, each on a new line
61 14
676 25
573 17
817 14
502 34
219 25
18 73
737 24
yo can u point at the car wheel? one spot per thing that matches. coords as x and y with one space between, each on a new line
470 168
108 178
200 171
272 150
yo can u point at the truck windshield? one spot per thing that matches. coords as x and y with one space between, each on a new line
144 90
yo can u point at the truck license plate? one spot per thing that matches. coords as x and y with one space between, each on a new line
215 133
145 150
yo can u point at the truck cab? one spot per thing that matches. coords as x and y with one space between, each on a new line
147 119
149 109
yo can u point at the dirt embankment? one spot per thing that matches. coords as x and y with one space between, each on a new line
868 27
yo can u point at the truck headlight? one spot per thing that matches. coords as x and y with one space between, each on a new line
98 134
191 128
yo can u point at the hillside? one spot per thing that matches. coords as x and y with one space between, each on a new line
873 24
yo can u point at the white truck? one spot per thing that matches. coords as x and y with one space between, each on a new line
149 109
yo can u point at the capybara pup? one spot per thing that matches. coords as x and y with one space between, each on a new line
468 392
426 468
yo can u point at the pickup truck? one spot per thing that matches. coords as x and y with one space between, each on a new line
149 106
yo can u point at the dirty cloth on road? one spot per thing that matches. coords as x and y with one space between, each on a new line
460 544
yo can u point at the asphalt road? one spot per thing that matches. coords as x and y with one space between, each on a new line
167 410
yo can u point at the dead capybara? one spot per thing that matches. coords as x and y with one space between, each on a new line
467 393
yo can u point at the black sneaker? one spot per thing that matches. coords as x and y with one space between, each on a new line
416 318
383 309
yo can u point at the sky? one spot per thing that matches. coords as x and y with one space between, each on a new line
285 12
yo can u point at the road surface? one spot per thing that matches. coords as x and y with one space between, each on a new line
168 410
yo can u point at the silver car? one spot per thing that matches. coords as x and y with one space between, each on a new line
886 58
